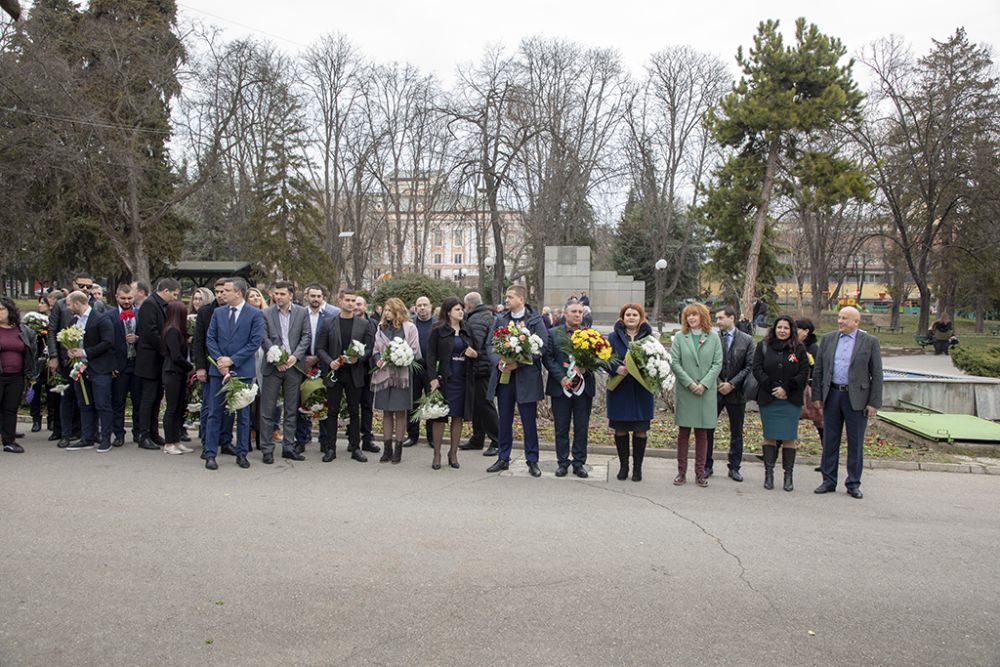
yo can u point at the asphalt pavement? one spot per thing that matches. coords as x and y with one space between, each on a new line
136 558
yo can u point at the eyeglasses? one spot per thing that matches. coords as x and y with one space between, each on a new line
90 286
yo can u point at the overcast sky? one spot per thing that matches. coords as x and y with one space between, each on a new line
437 35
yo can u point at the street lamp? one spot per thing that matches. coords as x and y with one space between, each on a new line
489 263
660 265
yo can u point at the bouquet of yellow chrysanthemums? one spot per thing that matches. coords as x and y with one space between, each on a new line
587 351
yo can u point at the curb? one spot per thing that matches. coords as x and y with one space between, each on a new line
663 453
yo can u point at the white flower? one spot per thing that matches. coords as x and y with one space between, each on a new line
399 353
358 348
33 317
59 389
274 354
243 398
194 407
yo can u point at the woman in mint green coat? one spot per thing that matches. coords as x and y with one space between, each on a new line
696 359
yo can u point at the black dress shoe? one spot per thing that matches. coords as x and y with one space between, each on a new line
491 451
292 455
470 445
13 448
329 455
185 437
358 456
210 464
63 444
562 470
36 424
204 456
581 472
300 447
55 435
533 469
147 443
118 442
268 458
709 472
370 447
735 476
409 442
227 450
855 493
498 466
158 440
823 488
242 461
18 435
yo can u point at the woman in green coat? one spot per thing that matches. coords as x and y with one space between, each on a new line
696 359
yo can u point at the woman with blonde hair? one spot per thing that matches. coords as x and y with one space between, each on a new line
256 299
391 384
696 359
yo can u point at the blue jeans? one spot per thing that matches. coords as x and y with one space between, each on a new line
838 414
576 410
99 409
214 427
506 401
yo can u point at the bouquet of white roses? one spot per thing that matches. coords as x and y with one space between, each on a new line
192 319
516 343
430 406
399 354
238 393
354 351
649 363
276 355
72 339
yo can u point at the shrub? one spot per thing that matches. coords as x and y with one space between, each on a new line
410 286
978 362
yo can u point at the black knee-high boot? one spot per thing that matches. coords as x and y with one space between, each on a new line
770 457
621 444
788 465
638 453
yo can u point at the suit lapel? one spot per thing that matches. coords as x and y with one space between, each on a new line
857 344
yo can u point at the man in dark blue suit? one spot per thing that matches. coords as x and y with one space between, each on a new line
125 383
524 389
568 406
98 353
234 336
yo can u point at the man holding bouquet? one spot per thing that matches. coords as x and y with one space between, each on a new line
93 387
516 379
572 391
234 336
286 343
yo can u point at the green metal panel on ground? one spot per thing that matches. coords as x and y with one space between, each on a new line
964 428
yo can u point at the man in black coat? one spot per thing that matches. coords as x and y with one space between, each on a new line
737 358
124 381
149 360
344 377
479 320
60 318
93 389
423 318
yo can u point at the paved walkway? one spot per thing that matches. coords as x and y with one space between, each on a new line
924 363
136 558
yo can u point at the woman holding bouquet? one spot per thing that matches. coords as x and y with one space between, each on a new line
176 367
449 354
781 367
391 380
630 405
696 359
256 299
17 366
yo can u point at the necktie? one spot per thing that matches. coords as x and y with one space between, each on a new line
76 319
232 317
727 338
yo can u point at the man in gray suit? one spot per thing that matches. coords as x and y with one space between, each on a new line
847 384
737 358
286 325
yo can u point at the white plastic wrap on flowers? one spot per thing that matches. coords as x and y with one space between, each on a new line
398 353
357 348
243 397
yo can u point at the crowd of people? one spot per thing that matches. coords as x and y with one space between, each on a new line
240 358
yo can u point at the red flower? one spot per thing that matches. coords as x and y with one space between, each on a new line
126 315
792 358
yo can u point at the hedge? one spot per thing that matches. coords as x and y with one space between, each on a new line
985 363
410 286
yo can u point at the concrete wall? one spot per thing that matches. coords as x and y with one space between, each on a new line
567 272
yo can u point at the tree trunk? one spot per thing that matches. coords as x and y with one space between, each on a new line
749 288
924 319
499 269
980 311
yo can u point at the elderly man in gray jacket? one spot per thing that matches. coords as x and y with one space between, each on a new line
847 383
286 325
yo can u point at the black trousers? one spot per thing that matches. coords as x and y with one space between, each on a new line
485 421
174 391
333 397
419 389
367 400
124 386
11 390
149 408
737 415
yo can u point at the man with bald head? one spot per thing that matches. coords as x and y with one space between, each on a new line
847 384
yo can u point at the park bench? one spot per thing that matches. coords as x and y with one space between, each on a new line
882 321
923 341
